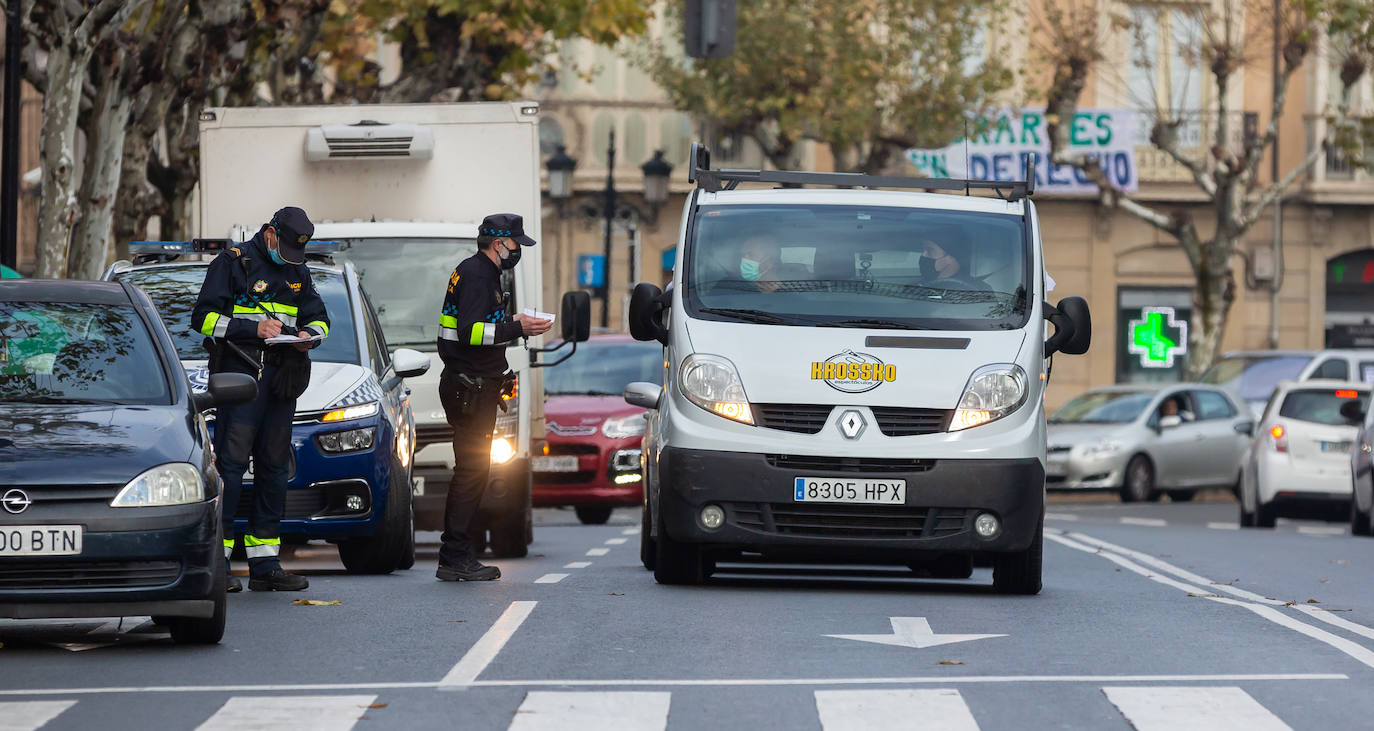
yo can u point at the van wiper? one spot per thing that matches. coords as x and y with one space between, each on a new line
875 324
759 316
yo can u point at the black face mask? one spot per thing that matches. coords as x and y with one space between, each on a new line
928 268
512 258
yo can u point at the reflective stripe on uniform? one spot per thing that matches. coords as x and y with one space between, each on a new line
261 547
320 327
228 547
448 333
257 315
215 325
483 333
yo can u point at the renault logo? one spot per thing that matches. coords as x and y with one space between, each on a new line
16 501
852 424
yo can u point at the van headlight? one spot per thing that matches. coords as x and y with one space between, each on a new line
501 451
711 382
623 427
177 483
993 392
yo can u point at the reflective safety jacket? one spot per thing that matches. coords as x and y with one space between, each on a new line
243 284
473 325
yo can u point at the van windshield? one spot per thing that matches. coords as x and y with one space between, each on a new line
406 278
858 266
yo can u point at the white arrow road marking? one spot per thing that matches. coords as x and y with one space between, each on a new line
587 711
29 715
858 710
1188 709
913 632
318 713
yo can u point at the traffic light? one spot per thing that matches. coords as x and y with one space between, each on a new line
709 27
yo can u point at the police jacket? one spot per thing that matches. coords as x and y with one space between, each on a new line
473 325
243 284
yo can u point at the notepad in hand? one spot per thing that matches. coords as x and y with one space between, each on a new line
530 312
291 339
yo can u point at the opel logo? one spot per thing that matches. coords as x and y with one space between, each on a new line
16 501
852 424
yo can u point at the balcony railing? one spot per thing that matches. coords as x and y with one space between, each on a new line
1341 163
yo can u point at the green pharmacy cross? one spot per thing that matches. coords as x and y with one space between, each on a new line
1157 338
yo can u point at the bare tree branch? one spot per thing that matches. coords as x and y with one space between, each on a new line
1252 213
1164 136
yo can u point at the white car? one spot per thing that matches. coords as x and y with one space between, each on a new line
1298 463
1252 374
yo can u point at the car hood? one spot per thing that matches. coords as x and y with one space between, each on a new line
1072 435
331 384
787 364
76 445
570 412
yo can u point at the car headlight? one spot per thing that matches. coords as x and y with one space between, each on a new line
501 451
353 440
711 382
1102 449
351 412
993 392
177 483
623 427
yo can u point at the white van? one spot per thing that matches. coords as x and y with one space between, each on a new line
852 375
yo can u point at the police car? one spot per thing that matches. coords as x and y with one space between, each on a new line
354 434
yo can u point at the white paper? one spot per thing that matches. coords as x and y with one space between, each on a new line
287 339
530 312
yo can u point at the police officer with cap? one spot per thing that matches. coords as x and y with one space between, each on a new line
254 291
474 327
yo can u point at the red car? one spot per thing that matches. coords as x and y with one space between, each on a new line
592 462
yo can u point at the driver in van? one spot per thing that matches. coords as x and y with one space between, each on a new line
759 261
936 262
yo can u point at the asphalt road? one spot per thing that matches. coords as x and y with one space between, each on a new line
1153 616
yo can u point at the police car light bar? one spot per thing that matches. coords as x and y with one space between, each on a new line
174 248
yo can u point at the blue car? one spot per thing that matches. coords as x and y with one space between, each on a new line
354 433
109 501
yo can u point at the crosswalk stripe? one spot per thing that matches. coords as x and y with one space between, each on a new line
1185 709
298 713
574 711
938 708
30 715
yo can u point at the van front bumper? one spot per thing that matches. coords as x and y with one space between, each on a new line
757 492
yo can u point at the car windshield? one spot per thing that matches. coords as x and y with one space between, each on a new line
406 279
858 266
604 369
173 290
1253 377
1321 406
1103 407
69 352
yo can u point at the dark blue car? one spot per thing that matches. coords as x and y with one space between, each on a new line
109 502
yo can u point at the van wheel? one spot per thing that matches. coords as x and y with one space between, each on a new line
1359 522
648 553
381 552
593 514
1182 496
1020 572
203 630
678 563
508 533
1139 485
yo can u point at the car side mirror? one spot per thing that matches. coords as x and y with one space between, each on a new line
643 394
1170 421
1245 427
646 307
577 317
1073 326
226 389
409 363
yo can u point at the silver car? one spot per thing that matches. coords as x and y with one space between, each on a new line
1146 440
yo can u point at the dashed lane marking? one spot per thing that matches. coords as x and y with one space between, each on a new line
1151 522
859 710
630 531
577 565
322 713
616 541
1215 709
1223 526
28 715
550 578
1321 530
1060 516
480 655
590 711
598 551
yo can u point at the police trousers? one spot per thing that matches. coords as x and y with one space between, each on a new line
260 429
472 432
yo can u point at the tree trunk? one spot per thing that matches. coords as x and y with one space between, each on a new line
58 208
90 245
138 201
1212 299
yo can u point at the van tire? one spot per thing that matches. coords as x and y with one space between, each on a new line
593 514
1020 572
382 552
1359 522
648 552
678 563
508 534
1138 485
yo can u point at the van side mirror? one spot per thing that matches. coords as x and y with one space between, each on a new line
643 394
409 363
1073 326
576 316
646 305
1352 412
226 389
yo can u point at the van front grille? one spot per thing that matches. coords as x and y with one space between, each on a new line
849 521
905 422
798 418
852 465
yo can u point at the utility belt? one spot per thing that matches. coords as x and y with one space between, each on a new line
292 367
470 389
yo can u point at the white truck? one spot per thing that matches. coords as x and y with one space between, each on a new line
402 188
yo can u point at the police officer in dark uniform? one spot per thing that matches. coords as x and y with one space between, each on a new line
473 330
257 290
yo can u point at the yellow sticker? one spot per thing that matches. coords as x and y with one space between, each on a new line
853 372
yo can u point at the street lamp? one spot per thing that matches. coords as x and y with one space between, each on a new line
560 168
656 174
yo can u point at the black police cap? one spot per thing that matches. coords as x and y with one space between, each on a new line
506 225
294 230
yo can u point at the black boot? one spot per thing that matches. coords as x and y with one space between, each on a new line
468 569
277 580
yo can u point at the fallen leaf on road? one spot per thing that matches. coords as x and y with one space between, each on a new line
1204 596
458 620
614 594
1313 601
316 603
950 662
376 705
1325 581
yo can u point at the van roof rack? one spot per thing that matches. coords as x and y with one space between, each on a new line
713 181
